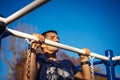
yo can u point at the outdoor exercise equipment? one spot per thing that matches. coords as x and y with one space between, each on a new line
109 60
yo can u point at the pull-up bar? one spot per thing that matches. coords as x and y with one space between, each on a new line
26 10
30 7
116 58
5 21
70 48
35 4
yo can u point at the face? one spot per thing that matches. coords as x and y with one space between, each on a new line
53 37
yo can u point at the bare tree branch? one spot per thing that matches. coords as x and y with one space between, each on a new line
15 47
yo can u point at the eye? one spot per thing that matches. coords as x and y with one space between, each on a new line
52 37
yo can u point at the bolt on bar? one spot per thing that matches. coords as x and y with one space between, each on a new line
35 4
70 48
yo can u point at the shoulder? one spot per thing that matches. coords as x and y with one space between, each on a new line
66 61
70 65
40 58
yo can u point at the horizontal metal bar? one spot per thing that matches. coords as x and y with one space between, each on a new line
116 58
63 46
33 5
2 19
21 34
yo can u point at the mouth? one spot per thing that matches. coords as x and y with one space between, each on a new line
57 41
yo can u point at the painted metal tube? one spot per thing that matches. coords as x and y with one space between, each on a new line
116 58
33 5
110 68
63 46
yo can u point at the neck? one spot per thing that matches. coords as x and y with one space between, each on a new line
51 56
54 59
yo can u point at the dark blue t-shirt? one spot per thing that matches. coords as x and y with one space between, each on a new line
51 70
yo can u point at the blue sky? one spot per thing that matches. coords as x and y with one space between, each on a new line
94 24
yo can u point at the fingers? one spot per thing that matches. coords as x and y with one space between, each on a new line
85 57
87 51
40 37
36 44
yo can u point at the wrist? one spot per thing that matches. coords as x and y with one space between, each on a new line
32 49
84 62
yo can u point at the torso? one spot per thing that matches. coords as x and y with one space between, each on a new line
51 70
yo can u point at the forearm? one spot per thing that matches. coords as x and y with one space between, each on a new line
30 67
31 64
86 72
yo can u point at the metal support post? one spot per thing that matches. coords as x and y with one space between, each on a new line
110 65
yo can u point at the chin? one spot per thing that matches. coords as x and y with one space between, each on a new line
55 49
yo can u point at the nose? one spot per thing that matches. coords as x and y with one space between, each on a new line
57 40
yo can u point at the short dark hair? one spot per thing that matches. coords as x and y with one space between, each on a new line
44 33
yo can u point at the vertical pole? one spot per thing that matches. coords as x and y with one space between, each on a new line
110 65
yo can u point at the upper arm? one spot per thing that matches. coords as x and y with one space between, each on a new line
38 67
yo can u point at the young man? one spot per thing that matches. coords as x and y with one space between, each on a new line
45 66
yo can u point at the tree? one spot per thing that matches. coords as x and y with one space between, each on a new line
19 66
13 47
